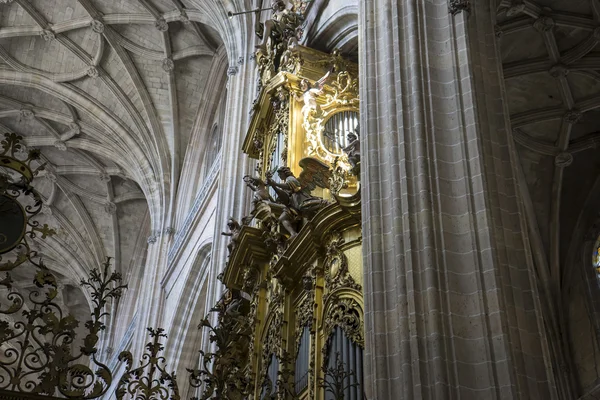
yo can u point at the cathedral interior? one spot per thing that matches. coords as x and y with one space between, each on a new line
299 199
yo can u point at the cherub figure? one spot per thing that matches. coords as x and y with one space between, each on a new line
234 232
352 150
260 197
310 94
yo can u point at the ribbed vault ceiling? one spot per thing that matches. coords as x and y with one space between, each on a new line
109 91
551 55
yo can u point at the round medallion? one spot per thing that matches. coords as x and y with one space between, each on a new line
13 223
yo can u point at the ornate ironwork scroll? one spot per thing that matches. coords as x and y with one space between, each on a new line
38 355
19 202
149 381
337 379
222 374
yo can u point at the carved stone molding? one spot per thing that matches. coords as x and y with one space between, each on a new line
60 145
559 70
48 35
183 17
97 26
232 70
573 116
457 6
75 128
168 65
26 113
46 209
563 159
517 7
51 176
544 24
92 72
152 239
161 24
110 208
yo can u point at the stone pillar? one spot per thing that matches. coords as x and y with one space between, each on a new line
452 310
234 198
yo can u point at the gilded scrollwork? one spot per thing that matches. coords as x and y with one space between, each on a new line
337 274
343 96
305 310
278 127
347 314
272 338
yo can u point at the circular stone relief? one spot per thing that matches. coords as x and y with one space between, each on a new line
13 223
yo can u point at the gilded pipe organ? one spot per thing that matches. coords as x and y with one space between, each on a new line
294 271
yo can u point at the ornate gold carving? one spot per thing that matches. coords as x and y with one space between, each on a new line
345 313
279 126
339 177
305 311
343 97
223 373
272 339
278 34
337 274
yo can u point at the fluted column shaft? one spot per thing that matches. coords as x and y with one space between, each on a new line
451 305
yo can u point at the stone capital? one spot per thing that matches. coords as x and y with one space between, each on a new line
232 70
458 6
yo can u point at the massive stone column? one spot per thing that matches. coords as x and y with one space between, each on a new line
452 309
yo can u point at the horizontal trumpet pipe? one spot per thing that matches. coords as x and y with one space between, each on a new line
231 14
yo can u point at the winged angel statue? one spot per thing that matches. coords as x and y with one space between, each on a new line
295 193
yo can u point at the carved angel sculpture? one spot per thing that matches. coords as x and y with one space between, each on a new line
234 232
352 150
310 94
284 25
260 199
295 193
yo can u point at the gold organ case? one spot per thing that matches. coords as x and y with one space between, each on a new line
302 291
